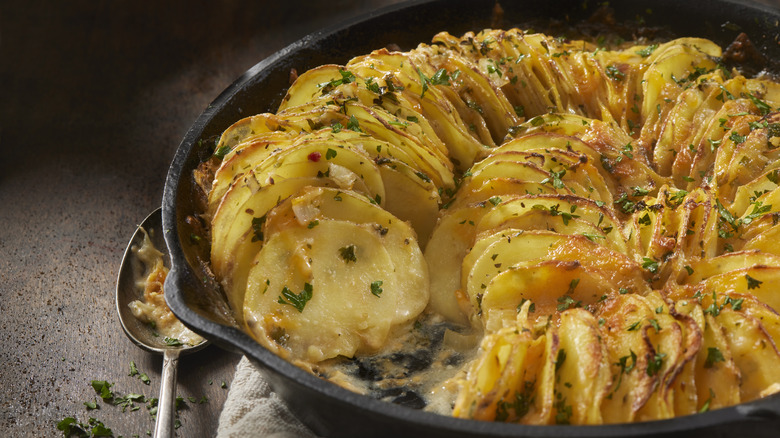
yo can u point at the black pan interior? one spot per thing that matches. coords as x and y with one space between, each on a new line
331 411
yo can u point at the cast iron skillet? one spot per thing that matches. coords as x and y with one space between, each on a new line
197 300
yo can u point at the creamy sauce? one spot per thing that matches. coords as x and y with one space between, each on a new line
419 368
152 309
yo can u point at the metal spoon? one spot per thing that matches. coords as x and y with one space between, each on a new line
127 291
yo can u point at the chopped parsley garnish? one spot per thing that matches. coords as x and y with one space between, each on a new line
422 176
760 104
626 205
567 302
172 342
560 359
257 228
615 73
441 77
347 254
520 404
655 364
298 300
713 356
555 178
330 153
624 368
736 138
653 322
133 369
376 287
592 237
752 283
647 51
103 389
93 428
353 125
222 151
563 412
554 211
758 210
650 265
706 406
346 78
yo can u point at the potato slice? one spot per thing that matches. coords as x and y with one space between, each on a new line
568 183
410 198
248 128
502 188
499 252
717 376
347 167
597 221
728 262
230 255
474 89
297 305
665 336
563 167
765 240
499 384
541 142
746 194
753 350
432 104
312 84
508 380
552 286
450 241
437 167
582 369
629 353
674 59
235 165
760 281
682 386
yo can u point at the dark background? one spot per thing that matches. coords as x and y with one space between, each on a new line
96 96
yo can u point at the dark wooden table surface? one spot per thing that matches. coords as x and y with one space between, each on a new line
95 99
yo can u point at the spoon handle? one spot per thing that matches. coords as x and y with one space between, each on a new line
163 428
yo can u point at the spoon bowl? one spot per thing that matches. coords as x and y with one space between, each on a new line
128 289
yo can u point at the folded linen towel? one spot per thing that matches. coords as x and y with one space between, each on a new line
252 409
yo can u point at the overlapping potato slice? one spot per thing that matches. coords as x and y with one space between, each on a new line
583 369
334 277
510 249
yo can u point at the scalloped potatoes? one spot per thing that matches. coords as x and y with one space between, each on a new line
598 225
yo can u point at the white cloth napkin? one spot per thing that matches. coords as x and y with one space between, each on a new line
252 409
